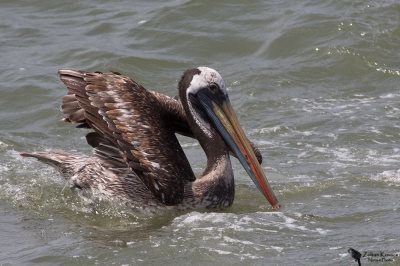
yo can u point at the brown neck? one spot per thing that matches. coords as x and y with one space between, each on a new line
215 187
213 145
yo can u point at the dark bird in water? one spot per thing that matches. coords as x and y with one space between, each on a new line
137 158
355 255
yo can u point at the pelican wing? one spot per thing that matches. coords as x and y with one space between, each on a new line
172 108
132 119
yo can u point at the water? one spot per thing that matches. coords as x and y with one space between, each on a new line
314 83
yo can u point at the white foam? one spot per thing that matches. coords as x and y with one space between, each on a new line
279 249
322 231
221 252
197 217
389 96
273 129
232 240
293 224
2 144
392 177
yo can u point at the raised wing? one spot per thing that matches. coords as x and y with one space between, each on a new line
132 119
172 109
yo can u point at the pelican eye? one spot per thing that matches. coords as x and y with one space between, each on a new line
213 87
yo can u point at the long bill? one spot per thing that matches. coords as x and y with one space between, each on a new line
229 128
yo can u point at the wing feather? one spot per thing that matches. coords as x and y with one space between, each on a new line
132 120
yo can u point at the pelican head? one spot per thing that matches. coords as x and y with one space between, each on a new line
209 104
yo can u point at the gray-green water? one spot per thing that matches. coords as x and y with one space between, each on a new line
316 84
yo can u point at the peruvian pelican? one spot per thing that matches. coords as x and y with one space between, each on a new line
137 157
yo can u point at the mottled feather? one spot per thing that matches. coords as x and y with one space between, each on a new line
171 108
130 118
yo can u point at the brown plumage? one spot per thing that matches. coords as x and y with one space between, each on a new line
137 157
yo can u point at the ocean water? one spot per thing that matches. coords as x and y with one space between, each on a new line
315 84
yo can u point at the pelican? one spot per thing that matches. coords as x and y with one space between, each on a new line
137 157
